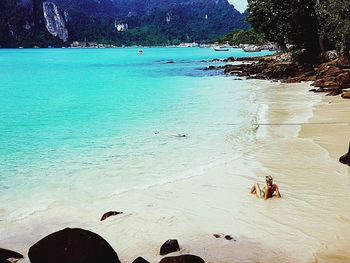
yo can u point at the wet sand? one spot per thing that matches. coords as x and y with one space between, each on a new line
310 223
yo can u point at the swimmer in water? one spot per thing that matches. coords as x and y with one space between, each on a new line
267 191
179 135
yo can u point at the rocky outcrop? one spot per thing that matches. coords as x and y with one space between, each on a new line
169 246
330 77
121 27
346 95
72 245
183 259
287 72
37 7
55 21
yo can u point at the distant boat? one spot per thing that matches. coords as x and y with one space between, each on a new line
221 49
140 52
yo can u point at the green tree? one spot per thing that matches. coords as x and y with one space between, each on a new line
287 22
334 20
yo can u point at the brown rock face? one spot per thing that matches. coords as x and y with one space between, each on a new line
72 245
232 69
328 71
322 83
169 246
344 80
183 259
346 95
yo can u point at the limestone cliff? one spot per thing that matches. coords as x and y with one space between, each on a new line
55 21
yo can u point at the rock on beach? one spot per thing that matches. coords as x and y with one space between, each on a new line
183 259
171 245
72 245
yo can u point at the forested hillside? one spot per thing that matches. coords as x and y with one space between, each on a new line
121 22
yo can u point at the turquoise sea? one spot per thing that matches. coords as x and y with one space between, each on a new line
79 123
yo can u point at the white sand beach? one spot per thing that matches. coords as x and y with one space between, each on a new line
300 137
310 222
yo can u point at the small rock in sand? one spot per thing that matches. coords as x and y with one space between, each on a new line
229 237
6 254
183 259
110 213
169 246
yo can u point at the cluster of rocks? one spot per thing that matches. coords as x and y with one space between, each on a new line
76 245
270 68
331 77
334 78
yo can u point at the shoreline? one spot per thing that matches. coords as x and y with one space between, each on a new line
305 159
218 201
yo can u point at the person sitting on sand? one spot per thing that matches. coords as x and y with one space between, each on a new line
266 192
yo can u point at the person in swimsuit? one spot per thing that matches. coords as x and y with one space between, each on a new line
267 191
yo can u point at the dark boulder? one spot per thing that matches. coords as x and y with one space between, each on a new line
140 260
345 159
183 259
72 245
169 246
6 254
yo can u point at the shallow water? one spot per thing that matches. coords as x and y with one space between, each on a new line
88 131
77 124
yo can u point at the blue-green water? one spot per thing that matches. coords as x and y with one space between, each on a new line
73 120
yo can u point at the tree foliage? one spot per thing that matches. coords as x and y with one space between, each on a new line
308 25
286 22
150 22
334 19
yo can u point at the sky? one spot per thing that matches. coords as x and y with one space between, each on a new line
240 5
